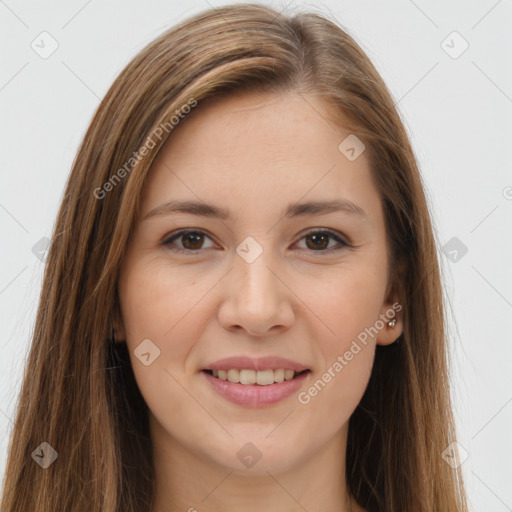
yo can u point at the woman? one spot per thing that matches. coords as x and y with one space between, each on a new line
242 306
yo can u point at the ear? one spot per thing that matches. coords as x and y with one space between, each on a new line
392 309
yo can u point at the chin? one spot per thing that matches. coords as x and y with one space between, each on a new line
258 455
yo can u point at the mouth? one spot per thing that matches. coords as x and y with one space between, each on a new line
250 377
255 388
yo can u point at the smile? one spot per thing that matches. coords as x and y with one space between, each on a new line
250 388
251 377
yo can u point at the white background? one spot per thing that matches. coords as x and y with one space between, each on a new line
456 111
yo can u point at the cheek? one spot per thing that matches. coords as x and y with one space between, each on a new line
160 304
156 303
327 404
155 300
347 358
349 308
344 305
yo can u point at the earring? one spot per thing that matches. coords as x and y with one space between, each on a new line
392 323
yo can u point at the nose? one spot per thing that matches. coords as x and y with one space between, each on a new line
256 298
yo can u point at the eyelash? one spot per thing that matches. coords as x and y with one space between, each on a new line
169 240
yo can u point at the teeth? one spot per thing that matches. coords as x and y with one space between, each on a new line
279 375
264 378
248 377
233 375
288 374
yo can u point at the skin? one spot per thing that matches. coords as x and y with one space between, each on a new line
254 154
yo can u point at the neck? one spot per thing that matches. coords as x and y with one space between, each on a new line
192 482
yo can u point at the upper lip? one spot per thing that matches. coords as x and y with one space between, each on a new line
258 364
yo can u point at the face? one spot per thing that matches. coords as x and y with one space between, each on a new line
261 282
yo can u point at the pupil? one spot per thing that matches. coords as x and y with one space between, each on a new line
191 236
316 238
194 240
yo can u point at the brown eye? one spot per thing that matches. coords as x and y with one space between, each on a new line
319 241
191 241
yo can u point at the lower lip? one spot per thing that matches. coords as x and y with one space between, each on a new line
254 395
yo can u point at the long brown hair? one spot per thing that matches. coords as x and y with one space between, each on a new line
79 394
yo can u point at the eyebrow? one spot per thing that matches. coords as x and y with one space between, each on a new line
293 210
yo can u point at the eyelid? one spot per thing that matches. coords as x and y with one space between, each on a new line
181 232
341 239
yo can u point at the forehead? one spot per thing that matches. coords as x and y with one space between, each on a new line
255 152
